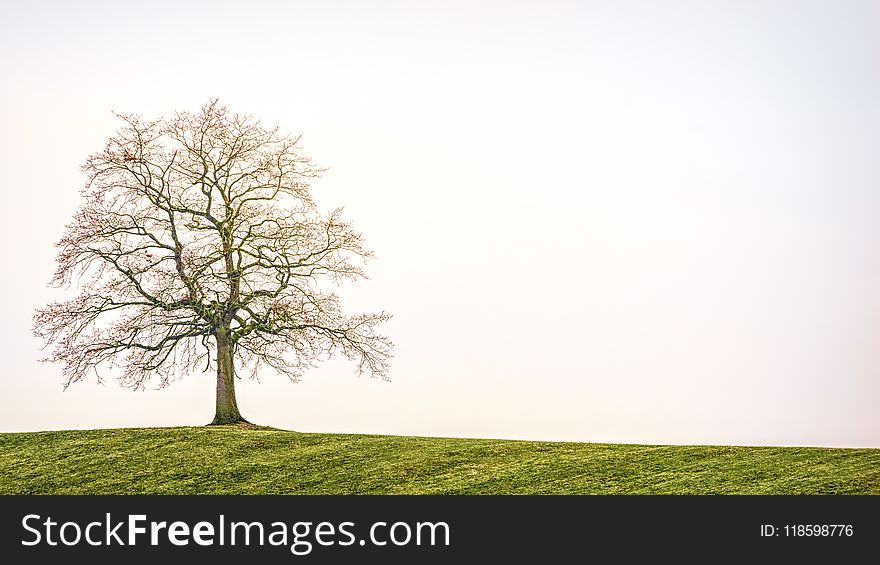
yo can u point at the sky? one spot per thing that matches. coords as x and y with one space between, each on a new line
635 222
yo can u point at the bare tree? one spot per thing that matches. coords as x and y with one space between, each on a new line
199 245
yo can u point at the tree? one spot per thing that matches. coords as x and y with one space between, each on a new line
199 245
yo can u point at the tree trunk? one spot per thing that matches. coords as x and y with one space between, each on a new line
227 409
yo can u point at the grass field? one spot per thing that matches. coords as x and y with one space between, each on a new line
233 460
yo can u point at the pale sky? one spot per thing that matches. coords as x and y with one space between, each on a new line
640 222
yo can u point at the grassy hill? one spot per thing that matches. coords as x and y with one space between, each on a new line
234 460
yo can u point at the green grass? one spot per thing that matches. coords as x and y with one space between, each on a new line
234 460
